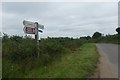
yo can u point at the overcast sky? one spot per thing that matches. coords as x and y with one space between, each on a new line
61 19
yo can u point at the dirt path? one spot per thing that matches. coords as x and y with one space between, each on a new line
105 68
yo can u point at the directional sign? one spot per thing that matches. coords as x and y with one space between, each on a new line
40 31
40 26
30 30
28 23
32 27
32 24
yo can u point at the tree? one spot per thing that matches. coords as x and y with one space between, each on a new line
85 37
96 35
118 30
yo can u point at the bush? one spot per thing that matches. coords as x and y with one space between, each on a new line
19 52
49 50
22 53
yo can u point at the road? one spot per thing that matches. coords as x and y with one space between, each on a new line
108 67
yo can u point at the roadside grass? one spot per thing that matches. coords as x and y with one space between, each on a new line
80 63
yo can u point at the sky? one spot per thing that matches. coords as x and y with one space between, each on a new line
61 19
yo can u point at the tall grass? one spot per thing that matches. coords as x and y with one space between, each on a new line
78 64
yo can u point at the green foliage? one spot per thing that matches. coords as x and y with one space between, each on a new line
86 37
49 50
77 64
118 30
111 39
22 53
96 35
19 52
10 70
98 38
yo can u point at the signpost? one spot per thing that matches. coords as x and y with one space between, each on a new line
33 28
40 26
28 23
29 30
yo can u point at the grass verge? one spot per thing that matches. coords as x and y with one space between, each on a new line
78 64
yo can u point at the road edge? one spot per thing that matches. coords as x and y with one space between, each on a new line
104 67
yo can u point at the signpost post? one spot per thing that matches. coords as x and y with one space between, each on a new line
37 36
32 28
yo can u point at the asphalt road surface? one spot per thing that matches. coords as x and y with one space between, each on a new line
110 51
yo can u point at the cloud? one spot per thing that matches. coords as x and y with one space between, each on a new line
61 18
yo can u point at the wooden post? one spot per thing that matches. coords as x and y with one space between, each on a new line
37 38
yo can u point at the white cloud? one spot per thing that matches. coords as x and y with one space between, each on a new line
61 19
